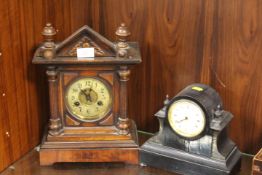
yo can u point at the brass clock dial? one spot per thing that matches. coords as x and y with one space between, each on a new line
88 99
186 118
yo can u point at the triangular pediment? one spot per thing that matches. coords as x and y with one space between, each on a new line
83 38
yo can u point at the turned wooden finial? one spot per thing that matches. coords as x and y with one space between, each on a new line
122 34
49 46
49 32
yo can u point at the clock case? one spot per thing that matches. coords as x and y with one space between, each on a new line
67 139
211 152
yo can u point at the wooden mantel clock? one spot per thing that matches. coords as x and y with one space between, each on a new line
88 97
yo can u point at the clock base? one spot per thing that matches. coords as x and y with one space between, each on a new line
112 148
159 156
51 156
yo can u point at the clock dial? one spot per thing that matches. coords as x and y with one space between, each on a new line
186 118
88 99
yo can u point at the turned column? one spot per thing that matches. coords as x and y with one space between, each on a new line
48 52
123 121
122 34
55 125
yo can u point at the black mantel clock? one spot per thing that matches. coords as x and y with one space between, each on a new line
88 77
192 138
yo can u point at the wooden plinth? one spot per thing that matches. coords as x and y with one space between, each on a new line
51 156
109 148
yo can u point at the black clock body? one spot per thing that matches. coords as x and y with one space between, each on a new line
210 152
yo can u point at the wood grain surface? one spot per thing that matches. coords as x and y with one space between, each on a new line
216 42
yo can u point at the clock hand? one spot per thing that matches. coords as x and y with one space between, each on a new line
83 91
88 97
179 121
90 89
89 93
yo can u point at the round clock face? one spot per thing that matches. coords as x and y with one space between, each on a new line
186 118
88 99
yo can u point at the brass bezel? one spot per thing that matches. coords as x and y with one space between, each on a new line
76 116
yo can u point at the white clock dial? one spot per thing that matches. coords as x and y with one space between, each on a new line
186 118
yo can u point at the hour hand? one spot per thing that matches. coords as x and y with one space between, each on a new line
90 89
83 91
179 121
88 97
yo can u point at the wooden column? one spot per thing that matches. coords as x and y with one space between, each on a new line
48 52
123 121
55 125
122 34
